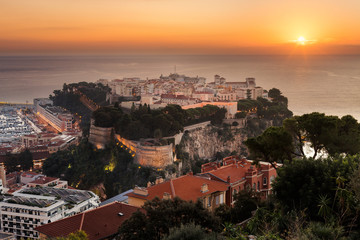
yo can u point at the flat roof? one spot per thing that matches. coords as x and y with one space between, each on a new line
68 195
32 202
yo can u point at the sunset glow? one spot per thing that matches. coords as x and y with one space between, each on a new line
301 40
176 26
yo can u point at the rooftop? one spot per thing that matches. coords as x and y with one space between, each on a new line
186 187
29 174
43 180
33 202
98 223
68 195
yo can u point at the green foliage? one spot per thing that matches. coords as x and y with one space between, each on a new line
85 167
240 115
325 132
79 235
146 123
163 215
190 232
277 96
246 202
274 145
19 162
276 111
312 185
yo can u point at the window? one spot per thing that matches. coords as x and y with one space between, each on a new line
234 193
258 186
265 181
217 199
272 178
221 198
209 201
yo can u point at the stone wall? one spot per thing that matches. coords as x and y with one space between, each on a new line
99 136
154 156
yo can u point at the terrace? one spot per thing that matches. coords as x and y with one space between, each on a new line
32 202
67 195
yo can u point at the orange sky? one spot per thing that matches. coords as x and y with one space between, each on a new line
179 26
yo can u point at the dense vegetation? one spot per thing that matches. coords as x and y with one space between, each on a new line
162 215
275 110
19 162
312 199
143 122
324 133
84 167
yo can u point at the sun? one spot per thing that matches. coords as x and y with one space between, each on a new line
301 40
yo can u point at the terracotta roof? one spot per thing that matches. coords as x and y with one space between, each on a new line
235 82
98 223
29 174
186 187
171 96
40 155
43 180
236 172
38 148
31 135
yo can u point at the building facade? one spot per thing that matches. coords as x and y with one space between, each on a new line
29 208
241 174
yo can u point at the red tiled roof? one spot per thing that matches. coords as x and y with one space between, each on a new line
98 223
38 148
235 171
235 82
43 180
171 96
29 174
31 135
40 155
186 187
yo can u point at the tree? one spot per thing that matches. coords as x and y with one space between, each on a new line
248 94
190 232
26 160
319 129
246 201
79 235
309 185
218 116
11 163
291 125
239 115
274 145
162 215
274 93
277 96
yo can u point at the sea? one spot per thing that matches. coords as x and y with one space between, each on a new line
326 84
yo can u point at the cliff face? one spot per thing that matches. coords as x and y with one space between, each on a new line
204 143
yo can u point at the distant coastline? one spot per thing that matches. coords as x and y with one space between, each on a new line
328 84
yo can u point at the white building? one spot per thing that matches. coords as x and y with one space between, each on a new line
32 207
57 117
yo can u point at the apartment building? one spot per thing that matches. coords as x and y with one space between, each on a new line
57 117
29 208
